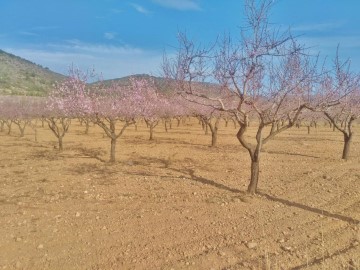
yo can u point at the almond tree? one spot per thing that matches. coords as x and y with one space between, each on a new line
152 105
112 106
59 124
2 123
266 75
108 106
61 106
311 119
209 117
6 112
180 108
23 112
341 89
346 112
18 110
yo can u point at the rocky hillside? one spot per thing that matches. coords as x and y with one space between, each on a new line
22 77
161 83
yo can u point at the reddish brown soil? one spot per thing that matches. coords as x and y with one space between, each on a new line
175 203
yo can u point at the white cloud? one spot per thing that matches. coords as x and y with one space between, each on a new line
117 11
110 35
140 9
331 42
317 27
26 33
179 4
44 28
77 46
349 48
110 61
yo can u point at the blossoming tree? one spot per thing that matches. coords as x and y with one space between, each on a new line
266 76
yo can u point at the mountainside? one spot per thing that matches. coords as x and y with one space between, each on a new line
22 77
161 83
166 86
19 76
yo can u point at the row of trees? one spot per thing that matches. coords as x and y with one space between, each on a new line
265 74
115 107
266 78
112 107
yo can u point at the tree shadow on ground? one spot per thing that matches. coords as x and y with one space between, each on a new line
162 140
90 153
48 155
301 138
190 175
314 262
329 256
185 172
206 181
90 168
291 154
309 208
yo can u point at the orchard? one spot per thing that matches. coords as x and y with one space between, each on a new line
245 156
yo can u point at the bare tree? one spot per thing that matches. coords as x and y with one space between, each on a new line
341 90
266 75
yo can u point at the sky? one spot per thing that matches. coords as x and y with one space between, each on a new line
124 37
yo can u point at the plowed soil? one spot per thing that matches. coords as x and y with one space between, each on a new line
176 203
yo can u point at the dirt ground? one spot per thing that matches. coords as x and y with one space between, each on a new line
176 203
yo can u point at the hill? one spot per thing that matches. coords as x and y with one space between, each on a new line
166 86
19 76
22 77
161 83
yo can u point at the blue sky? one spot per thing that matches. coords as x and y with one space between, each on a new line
124 37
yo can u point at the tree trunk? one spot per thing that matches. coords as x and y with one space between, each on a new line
151 132
112 149
255 168
9 123
255 162
87 125
202 123
60 139
347 144
36 137
213 137
254 152
308 129
214 129
22 131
